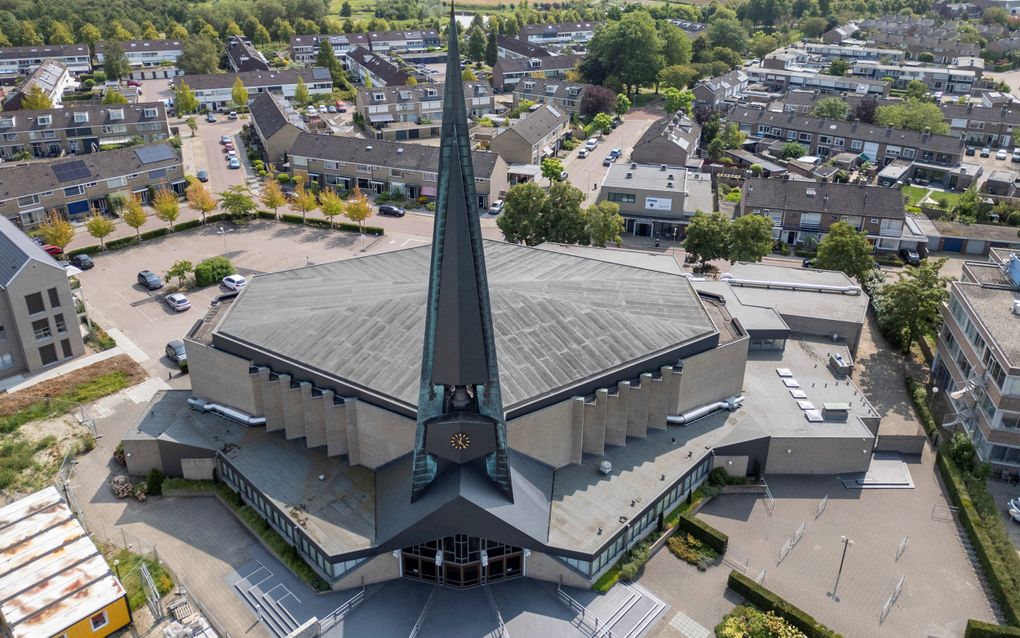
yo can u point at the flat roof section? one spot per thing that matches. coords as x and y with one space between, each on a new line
993 307
800 303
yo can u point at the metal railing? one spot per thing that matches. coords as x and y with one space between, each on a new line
585 618
500 626
424 614
337 615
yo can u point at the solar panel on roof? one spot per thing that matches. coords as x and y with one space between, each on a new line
71 171
153 154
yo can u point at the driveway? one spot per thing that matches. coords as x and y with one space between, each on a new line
588 173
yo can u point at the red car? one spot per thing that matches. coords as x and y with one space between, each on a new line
53 251
133 83
228 147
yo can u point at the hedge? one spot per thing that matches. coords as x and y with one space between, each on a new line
703 532
921 405
323 223
979 629
767 600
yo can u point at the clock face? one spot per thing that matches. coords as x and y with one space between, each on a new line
460 441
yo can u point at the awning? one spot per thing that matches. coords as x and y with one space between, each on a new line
380 118
547 150
531 170
114 140
428 191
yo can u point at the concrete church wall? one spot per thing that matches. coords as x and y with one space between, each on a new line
221 377
819 455
552 435
544 567
383 437
711 376
376 570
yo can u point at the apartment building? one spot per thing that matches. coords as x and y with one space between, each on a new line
562 94
413 112
52 77
714 92
559 33
824 137
509 71
942 79
508 47
16 61
243 56
784 80
79 128
656 198
977 361
381 166
377 70
840 33
75 186
531 138
275 126
214 90
39 326
411 40
671 140
149 59
848 52
803 210
305 48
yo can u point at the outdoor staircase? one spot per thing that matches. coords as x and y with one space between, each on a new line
268 609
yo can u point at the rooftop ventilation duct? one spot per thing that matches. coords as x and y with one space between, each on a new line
790 285
691 416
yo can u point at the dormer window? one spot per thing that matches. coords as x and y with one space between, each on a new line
116 114
149 112
44 120
529 84
431 92
6 122
535 64
80 118
550 90
405 95
378 97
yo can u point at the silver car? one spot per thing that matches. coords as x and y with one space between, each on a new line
178 302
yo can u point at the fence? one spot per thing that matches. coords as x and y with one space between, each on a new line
902 547
944 513
501 631
760 578
821 506
424 614
770 502
735 560
585 618
892 600
338 614
791 542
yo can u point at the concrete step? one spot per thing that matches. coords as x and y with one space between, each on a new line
283 616
273 623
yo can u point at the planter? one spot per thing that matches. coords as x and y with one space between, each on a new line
743 489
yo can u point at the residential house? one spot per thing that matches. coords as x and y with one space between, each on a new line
977 361
81 127
785 80
671 140
1001 182
535 135
366 65
305 48
149 59
75 186
803 211
39 325
1012 7
15 61
968 239
214 90
275 126
509 71
416 111
243 56
656 199
52 77
840 33
508 47
562 94
411 40
849 52
56 581
942 79
381 166
714 92
692 29
559 33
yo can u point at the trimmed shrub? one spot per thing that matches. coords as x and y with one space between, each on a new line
87 250
210 271
193 223
153 234
154 482
920 398
703 532
768 600
979 629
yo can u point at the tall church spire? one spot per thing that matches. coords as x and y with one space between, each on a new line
460 407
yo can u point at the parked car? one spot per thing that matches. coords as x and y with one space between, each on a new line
175 351
150 280
341 109
591 144
564 175
234 163
391 211
52 250
497 207
986 152
331 108
231 154
178 302
228 147
582 153
1014 503
1000 154
1016 155
910 256
82 262
225 139
616 153
133 83
202 175
608 161
235 282
971 150
211 118
232 115
1014 514
322 108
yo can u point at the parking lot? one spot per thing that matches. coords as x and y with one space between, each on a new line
116 301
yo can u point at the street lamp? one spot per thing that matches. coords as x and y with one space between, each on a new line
846 543
223 232
116 567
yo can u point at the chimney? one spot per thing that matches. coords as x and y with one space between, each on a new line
629 175
662 168
970 106
857 121
926 133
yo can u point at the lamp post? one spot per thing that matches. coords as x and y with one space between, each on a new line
223 233
934 395
846 543
116 567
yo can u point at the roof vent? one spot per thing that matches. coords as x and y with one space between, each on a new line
629 175
399 149
669 184
662 167
670 176
368 148
810 192
1016 307
633 165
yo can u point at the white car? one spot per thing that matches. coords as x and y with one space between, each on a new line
582 153
311 110
497 207
235 282
591 144
1000 154
1014 503
322 108
178 302
1014 514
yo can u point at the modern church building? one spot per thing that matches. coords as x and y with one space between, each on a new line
473 411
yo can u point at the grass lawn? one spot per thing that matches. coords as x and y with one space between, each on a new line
131 575
914 194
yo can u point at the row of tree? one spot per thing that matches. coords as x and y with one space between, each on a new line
534 215
714 236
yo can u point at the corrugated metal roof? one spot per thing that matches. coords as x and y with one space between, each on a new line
51 573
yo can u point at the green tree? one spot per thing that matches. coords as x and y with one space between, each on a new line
911 305
89 34
762 44
118 32
211 271
846 250
913 114
192 124
562 219
679 76
272 196
636 34
331 204
357 208
149 31
792 150
167 206
326 59
750 238
917 90
36 99
185 99
200 198
114 97
467 75
622 104
813 27
603 224
261 35
304 201
99 227
707 237
677 100
180 271
345 9
834 108
676 46
551 169
238 203
301 93
839 67
134 215
56 230
522 213
970 208
765 12
24 34
476 45
231 29
177 32
491 49
60 34
725 30
603 123
239 94
199 55
282 30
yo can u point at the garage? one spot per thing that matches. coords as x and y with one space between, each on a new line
976 247
952 244
77 209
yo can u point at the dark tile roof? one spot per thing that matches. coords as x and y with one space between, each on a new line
98 114
395 36
40 51
416 157
537 124
678 129
823 197
507 65
133 46
243 56
841 128
16 248
19 180
253 79
521 47
569 27
266 114
418 93
561 88
385 69
340 38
